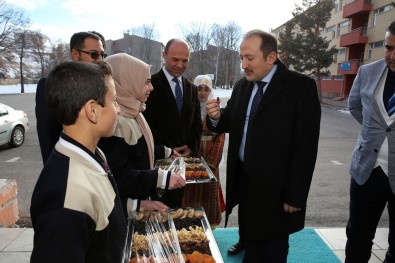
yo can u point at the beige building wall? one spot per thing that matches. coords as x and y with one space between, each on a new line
375 30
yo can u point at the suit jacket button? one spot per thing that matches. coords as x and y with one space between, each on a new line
388 129
375 150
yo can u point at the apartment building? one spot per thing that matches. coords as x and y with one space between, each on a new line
357 29
149 51
220 63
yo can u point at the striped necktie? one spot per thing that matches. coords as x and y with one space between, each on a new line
178 94
391 105
389 93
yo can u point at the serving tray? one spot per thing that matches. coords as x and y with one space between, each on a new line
176 224
180 165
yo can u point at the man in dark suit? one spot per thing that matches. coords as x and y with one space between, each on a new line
84 46
273 120
173 109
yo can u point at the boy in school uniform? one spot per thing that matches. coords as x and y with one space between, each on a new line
76 211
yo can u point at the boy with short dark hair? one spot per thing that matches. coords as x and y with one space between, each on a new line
76 211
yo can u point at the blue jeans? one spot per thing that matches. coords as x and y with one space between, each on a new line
367 203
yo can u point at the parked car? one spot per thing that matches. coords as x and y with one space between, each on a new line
13 125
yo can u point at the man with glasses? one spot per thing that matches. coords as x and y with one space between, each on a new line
84 46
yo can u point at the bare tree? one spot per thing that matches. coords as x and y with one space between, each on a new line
146 45
227 39
40 45
11 20
198 37
22 43
60 53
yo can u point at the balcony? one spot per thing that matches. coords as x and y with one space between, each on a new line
356 36
348 67
357 7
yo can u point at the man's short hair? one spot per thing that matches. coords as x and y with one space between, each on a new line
71 84
103 40
77 39
391 28
268 44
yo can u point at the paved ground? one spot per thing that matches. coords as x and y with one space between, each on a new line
16 243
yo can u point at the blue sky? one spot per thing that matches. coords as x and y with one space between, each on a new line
59 19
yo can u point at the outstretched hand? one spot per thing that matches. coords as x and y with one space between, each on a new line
183 151
176 181
149 205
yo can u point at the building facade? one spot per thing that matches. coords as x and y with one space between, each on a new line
149 51
357 29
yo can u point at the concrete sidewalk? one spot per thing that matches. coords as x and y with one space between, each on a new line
16 244
340 103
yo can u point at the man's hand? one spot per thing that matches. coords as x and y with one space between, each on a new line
183 151
291 209
149 205
213 109
176 181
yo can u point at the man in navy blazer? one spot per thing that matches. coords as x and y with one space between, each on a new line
271 156
170 125
84 46
371 102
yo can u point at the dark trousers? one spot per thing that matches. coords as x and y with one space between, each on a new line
258 251
367 203
267 251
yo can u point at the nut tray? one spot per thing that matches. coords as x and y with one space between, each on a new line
194 170
186 231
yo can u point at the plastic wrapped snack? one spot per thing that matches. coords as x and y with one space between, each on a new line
179 235
155 238
193 169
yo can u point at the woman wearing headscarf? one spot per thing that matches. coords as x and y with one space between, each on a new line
131 151
209 195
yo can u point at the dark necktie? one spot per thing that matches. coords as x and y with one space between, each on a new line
254 107
389 93
178 94
256 100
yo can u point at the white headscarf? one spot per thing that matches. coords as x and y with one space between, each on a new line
203 80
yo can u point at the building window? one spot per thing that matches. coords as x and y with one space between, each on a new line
331 28
344 23
340 25
371 46
380 10
376 44
341 51
337 77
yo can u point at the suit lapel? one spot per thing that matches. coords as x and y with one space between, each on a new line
275 87
378 73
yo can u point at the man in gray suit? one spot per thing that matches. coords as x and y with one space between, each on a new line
372 103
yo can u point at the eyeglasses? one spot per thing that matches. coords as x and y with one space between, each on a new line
93 54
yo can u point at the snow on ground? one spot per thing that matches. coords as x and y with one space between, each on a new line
15 89
31 88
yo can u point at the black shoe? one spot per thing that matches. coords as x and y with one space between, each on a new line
236 249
